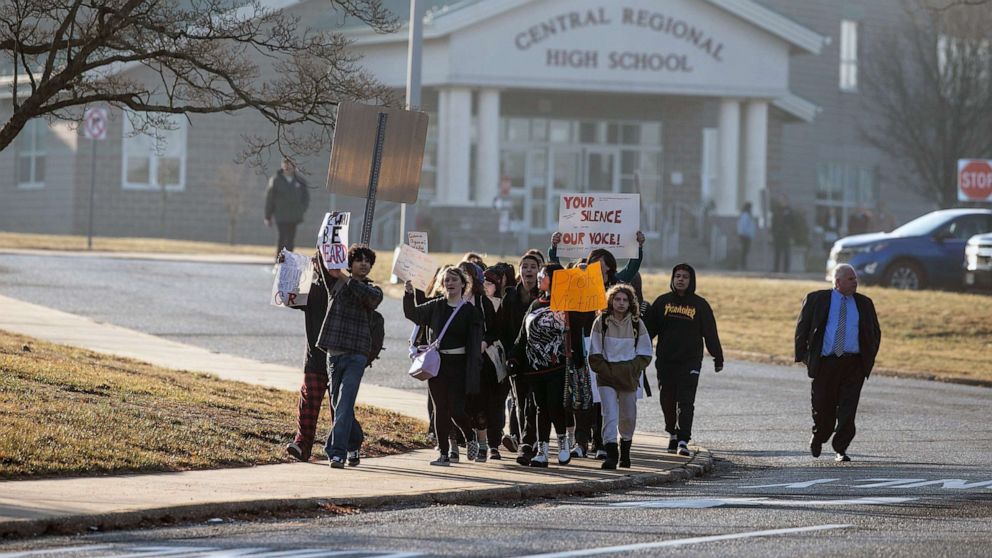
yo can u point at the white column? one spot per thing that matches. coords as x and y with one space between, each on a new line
755 154
457 145
487 148
730 130
441 168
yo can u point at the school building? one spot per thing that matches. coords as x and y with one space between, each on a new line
700 106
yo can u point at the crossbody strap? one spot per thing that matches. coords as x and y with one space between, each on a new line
437 342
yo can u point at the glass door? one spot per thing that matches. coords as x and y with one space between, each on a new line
602 173
566 177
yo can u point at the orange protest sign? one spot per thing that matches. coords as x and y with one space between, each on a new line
579 290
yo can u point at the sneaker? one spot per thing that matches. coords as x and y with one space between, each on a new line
354 458
453 456
494 454
294 450
601 454
483 453
579 450
472 450
564 451
841 457
525 454
432 439
540 458
510 443
673 443
441 461
684 449
337 462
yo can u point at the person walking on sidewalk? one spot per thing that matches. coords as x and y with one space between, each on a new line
314 370
837 338
461 359
540 353
619 351
682 320
286 200
346 336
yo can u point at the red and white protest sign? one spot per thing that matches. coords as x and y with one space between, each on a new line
975 180
332 240
589 221
95 123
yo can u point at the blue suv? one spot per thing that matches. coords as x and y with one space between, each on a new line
927 251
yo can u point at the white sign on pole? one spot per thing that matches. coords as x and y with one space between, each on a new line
589 221
414 266
332 239
417 240
293 278
95 123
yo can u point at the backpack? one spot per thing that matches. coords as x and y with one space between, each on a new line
377 325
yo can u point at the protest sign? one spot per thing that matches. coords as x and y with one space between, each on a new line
414 266
417 240
589 221
579 290
332 239
293 277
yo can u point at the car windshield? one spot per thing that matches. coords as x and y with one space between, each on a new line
923 225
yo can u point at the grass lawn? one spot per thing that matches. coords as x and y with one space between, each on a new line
25 241
70 412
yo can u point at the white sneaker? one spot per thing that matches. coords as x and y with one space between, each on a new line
684 449
472 450
540 458
564 450
601 454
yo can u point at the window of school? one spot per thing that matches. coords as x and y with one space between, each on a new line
155 159
848 55
31 148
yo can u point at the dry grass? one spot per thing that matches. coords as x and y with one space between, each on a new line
932 334
26 241
66 412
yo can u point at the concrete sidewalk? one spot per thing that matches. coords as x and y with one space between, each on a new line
66 505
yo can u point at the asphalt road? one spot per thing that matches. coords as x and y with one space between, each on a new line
920 483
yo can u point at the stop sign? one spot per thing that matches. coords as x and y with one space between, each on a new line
974 180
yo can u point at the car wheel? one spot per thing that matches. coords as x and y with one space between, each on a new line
904 275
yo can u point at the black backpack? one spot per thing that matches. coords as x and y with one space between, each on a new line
377 324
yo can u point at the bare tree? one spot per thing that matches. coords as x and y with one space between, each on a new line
929 86
205 56
233 182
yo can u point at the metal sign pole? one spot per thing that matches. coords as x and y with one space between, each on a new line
89 227
413 64
380 136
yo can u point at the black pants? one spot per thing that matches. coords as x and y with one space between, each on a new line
448 395
548 393
589 426
745 248
488 408
523 419
782 257
287 236
678 400
835 394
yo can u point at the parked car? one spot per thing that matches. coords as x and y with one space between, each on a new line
927 251
978 262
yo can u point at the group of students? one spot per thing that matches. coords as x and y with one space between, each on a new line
503 351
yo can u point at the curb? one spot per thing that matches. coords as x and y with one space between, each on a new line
700 463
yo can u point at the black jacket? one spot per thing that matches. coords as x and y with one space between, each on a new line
813 321
432 315
286 201
681 324
314 311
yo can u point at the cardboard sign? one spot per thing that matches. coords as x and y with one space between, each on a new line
589 221
293 278
414 266
332 239
417 240
579 290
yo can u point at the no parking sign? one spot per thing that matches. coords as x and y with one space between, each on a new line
95 123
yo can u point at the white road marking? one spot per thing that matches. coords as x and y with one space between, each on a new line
950 484
58 550
805 484
686 542
884 483
704 503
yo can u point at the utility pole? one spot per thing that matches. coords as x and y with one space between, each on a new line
413 64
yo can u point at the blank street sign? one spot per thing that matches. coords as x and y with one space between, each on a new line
354 144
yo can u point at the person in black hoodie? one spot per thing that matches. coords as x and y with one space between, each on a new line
682 320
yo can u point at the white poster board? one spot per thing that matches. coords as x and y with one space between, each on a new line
589 221
293 278
332 239
414 266
417 240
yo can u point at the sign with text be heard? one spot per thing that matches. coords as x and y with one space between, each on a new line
332 239
589 221
975 180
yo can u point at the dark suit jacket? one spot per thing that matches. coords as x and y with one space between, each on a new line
813 321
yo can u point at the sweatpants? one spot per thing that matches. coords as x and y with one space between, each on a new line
523 421
678 400
447 391
619 412
548 392
835 394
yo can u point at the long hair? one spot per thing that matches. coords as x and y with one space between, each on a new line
548 270
633 308
474 275
607 259
436 285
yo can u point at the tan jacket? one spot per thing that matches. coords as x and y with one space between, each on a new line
619 356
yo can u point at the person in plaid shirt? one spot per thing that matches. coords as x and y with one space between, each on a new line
346 337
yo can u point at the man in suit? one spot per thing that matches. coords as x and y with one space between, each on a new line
837 337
